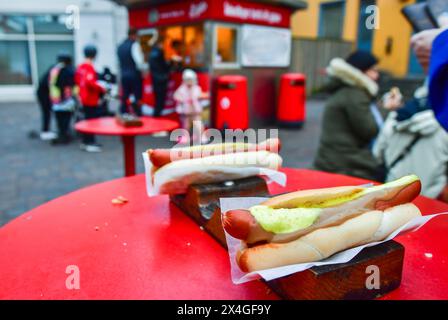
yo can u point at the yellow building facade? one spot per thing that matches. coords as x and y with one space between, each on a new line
390 41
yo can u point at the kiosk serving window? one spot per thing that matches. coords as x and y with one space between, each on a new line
186 41
226 46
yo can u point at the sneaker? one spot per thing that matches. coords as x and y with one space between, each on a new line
91 147
160 134
47 135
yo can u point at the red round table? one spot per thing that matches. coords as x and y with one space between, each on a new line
109 126
148 249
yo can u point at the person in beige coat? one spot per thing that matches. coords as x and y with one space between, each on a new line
413 142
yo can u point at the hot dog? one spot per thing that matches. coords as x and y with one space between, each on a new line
311 225
176 176
324 207
161 157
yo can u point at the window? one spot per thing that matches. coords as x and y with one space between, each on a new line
331 20
194 46
14 63
186 41
29 45
13 24
47 52
226 46
50 24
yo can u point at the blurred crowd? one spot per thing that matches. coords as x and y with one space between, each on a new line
385 137
374 137
71 94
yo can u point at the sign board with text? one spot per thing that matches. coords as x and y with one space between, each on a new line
189 11
265 46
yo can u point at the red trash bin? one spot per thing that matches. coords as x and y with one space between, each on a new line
291 101
231 107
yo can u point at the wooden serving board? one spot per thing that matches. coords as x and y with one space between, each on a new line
201 202
128 123
354 280
333 282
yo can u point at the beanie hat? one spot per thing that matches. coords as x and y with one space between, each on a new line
90 51
64 57
362 60
189 74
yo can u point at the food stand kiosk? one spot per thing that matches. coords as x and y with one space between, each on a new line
218 37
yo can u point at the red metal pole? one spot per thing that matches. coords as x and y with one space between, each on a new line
129 155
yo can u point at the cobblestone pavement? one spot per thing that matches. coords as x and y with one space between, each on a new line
34 172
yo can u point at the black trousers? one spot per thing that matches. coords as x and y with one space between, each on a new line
90 112
63 121
160 88
131 84
45 108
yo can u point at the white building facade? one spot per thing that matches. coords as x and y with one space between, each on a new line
34 32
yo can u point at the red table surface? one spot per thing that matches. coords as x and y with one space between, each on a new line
148 249
109 126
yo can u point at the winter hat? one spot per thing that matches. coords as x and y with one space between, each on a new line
64 57
362 60
189 74
90 51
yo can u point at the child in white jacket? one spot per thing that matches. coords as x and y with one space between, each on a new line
188 105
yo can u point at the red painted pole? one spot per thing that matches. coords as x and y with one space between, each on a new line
129 155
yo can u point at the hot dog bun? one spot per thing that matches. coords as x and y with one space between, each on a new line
331 205
175 177
322 243
161 157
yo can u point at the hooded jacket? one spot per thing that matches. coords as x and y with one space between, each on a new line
348 127
90 90
428 157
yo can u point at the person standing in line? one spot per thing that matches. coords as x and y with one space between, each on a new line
132 68
90 92
43 97
351 118
61 83
160 74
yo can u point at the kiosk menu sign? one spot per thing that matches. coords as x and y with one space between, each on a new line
199 10
265 46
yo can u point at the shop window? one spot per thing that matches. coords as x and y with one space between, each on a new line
51 24
331 20
12 24
194 55
173 41
184 41
225 53
14 63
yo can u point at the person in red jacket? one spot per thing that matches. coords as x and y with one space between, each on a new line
90 91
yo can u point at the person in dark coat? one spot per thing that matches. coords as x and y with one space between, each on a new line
160 75
61 83
351 118
132 67
43 97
